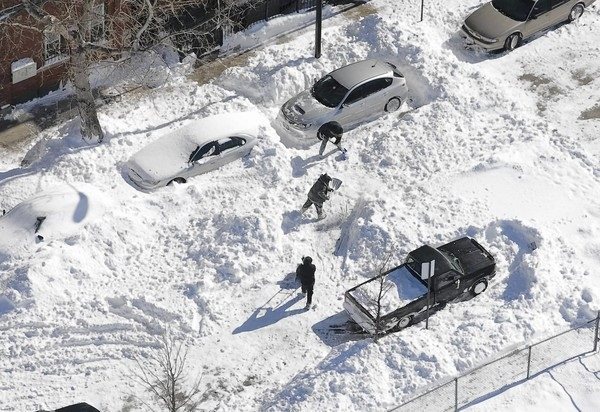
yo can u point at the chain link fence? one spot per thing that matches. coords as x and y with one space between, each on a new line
509 369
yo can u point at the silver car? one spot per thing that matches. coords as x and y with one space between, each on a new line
349 96
197 148
504 24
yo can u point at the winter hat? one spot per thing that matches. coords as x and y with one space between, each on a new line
307 260
332 130
325 178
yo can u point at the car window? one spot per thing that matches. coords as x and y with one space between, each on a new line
514 9
205 151
367 89
230 143
541 7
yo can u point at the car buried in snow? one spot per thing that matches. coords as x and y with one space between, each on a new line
400 294
504 24
349 95
199 147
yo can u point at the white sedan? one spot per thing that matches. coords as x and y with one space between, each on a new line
196 148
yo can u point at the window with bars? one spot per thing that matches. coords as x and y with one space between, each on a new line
55 47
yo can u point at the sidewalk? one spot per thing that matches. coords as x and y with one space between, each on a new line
31 122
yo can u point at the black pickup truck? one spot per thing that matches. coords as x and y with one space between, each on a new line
460 266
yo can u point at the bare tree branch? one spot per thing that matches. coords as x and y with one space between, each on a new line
166 378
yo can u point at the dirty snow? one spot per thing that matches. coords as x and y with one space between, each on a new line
503 148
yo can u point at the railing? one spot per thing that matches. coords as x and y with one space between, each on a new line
515 367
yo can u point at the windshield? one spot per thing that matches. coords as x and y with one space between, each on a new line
414 265
328 91
515 9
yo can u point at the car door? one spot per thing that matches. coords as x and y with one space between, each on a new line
447 286
539 18
204 158
363 101
560 10
231 148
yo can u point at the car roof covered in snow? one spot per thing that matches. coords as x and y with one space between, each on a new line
63 209
170 154
355 73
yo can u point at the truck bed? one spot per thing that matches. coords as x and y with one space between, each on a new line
400 288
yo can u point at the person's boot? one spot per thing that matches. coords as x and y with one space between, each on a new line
303 209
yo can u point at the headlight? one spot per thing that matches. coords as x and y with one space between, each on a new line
303 126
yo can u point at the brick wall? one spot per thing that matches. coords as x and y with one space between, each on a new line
17 43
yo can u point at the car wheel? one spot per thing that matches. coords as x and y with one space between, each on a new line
576 12
479 287
512 42
405 322
179 180
393 104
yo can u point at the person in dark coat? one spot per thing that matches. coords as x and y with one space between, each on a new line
305 273
331 132
318 194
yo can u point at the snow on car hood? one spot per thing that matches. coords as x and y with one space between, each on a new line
166 157
304 109
489 22
65 209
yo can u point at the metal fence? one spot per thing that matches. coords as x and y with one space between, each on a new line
509 369
202 19
267 9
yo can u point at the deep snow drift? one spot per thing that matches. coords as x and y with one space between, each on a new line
496 147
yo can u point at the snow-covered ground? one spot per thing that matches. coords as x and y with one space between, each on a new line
500 147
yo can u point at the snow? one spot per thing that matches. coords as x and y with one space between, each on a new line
21 63
492 146
400 288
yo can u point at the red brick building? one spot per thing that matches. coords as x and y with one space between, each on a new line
34 62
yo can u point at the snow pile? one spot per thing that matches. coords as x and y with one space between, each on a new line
483 149
54 214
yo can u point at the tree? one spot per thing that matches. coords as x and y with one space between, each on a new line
85 32
167 379
383 288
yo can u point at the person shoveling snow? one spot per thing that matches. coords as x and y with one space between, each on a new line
331 132
319 193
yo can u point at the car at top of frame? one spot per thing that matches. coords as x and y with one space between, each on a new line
349 95
400 294
199 147
504 24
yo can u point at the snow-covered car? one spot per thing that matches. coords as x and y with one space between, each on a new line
199 147
56 213
504 24
461 265
349 95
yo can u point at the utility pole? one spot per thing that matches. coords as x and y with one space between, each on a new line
422 8
319 24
